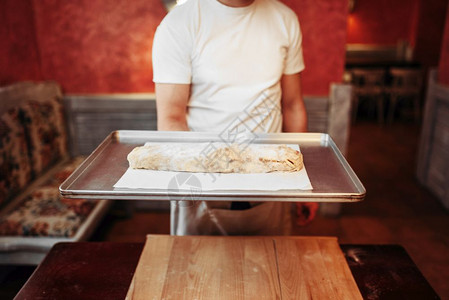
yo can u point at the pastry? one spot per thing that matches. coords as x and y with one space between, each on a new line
216 158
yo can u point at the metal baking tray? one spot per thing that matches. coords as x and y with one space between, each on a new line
332 178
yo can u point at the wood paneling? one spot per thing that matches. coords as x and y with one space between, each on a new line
92 117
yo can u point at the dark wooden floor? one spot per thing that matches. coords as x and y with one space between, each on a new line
397 210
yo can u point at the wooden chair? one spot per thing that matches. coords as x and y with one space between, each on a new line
368 85
406 84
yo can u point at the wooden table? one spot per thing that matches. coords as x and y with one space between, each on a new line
242 268
104 270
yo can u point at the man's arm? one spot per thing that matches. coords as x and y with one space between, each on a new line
293 108
171 104
295 120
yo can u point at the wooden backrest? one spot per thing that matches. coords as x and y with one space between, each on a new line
92 117
406 77
368 77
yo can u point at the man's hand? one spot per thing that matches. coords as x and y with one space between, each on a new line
171 103
305 212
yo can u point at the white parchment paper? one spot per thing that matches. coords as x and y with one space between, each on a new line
149 179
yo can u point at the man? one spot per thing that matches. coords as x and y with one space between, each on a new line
221 66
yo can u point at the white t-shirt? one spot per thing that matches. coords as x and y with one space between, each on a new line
233 58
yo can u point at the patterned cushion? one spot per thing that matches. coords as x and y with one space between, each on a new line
46 134
46 213
15 170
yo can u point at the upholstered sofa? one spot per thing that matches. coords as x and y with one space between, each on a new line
34 161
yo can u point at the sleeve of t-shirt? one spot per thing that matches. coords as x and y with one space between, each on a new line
294 62
171 54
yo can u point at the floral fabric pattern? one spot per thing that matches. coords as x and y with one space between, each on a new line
46 213
15 166
32 139
46 134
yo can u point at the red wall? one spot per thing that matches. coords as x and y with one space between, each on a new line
382 22
429 33
323 24
443 72
98 46
105 46
19 57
